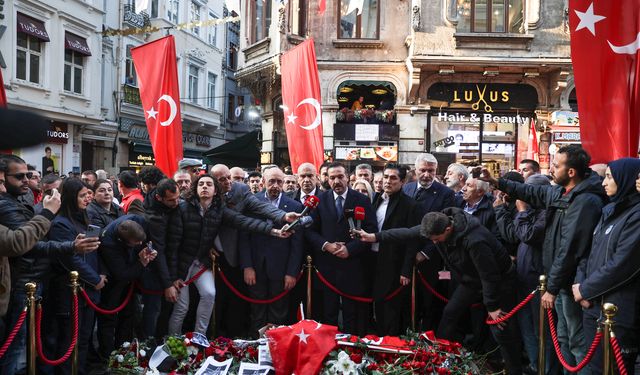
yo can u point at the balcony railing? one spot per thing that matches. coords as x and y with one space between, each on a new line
134 19
131 94
366 116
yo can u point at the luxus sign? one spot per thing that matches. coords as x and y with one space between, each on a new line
475 117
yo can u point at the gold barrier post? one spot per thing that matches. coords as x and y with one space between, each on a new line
212 323
413 299
609 310
541 328
309 270
73 275
31 347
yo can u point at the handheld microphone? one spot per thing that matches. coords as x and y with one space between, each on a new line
359 216
349 214
310 203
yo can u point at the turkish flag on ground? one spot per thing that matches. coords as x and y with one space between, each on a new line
533 149
301 348
301 101
3 94
155 64
605 37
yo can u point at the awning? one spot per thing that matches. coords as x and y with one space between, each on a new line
32 27
76 43
145 148
241 152
388 85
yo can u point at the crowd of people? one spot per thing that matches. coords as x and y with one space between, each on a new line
481 242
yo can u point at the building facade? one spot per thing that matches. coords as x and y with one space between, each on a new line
458 78
52 63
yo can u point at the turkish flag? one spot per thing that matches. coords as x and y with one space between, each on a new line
301 101
605 37
155 64
322 6
3 94
301 348
533 150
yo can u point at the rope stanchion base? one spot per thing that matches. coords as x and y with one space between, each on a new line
14 332
556 345
74 338
252 300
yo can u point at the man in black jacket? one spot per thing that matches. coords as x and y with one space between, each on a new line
393 260
159 204
481 266
573 208
125 258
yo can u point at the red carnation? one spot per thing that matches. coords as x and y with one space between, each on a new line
356 357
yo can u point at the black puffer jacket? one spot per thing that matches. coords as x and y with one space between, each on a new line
571 218
472 253
191 234
101 217
157 216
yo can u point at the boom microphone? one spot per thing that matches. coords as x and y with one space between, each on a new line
21 129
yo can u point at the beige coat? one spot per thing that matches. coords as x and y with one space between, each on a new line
15 243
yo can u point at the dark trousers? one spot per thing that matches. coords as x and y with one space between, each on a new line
393 317
326 306
152 303
276 312
114 329
64 329
628 339
232 312
507 338
428 307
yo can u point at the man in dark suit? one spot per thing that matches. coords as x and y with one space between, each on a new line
271 265
339 258
232 313
394 260
308 181
431 196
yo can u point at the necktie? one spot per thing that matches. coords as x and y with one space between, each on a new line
339 206
419 192
302 198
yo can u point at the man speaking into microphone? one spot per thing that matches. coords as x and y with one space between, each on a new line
339 258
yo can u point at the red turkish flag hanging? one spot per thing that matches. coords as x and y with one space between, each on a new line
605 37
301 101
302 347
155 64
3 94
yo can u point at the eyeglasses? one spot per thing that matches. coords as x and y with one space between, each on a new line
21 176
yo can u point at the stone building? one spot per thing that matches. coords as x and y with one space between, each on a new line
463 79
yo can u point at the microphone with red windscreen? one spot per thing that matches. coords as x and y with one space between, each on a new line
310 203
358 214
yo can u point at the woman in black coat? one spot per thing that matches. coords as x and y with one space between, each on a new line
612 271
102 211
192 231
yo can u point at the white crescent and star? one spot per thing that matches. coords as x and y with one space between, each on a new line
303 336
588 20
291 118
152 113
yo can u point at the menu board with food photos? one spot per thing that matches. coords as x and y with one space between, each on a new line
380 153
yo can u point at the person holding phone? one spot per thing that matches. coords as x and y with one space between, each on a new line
71 221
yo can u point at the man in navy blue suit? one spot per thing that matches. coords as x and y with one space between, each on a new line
337 256
271 265
431 196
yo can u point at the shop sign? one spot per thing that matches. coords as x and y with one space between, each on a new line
203 140
485 97
445 142
366 132
475 117
141 160
58 133
141 133
386 153
572 137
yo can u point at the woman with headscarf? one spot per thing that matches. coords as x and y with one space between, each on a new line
612 271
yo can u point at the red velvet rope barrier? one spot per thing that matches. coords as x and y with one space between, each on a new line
161 292
435 292
618 354
108 312
251 300
508 315
14 332
355 298
556 345
74 338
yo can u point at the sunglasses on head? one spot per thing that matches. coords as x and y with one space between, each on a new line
20 176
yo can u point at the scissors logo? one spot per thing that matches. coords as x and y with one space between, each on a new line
475 106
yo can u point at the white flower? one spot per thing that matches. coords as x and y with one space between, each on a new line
143 353
126 344
192 350
345 365
120 358
152 371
